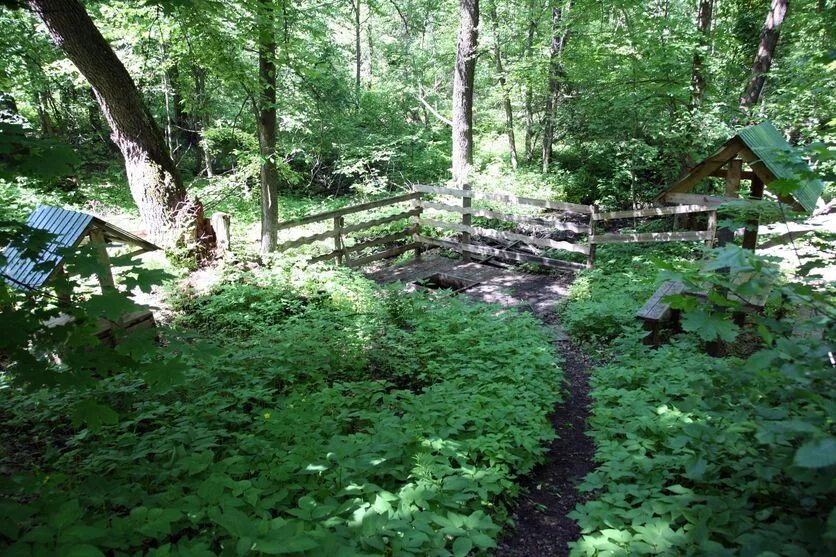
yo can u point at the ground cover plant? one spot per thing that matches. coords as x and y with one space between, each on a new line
345 420
700 455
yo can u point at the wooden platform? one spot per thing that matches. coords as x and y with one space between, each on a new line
482 282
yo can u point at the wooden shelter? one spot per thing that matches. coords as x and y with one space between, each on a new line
68 229
758 154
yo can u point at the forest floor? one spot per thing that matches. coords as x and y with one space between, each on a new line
542 525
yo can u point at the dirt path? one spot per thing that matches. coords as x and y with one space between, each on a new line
543 528
549 492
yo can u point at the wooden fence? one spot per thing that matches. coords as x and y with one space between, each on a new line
587 219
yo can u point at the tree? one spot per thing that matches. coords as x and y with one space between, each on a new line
503 86
267 124
558 41
766 52
463 76
169 215
705 10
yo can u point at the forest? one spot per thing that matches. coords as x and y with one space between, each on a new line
417 277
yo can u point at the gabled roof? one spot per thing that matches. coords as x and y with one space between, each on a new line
770 157
783 161
67 229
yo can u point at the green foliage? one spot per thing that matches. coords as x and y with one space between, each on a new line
723 456
343 421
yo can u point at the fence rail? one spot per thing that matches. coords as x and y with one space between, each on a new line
586 219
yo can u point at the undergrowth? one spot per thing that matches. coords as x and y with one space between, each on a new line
327 417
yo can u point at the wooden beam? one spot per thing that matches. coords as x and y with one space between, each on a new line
509 236
348 210
382 220
712 201
103 273
389 238
558 205
391 252
534 221
305 240
750 235
733 176
512 255
652 212
628 238
707 167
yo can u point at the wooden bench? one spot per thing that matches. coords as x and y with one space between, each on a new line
657 311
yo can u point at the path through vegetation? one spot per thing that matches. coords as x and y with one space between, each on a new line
543 527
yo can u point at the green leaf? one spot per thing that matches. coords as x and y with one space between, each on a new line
83 550
462 546
818 453
709 326
93 414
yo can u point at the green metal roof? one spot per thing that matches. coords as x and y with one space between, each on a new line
783 161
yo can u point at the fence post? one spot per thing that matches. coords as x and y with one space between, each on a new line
467 219
590 259
338 238
416 226
712 228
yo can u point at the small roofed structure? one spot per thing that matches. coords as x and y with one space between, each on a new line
68 229
759 154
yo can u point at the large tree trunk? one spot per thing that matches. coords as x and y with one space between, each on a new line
168 214
503 86
765 54
463 76
358 52
267 125
555 71
704 14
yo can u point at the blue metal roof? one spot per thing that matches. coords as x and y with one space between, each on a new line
67 229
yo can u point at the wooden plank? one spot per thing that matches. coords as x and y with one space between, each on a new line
305 240
561 206
535 221
510 236
512 255
733 176
324 257
349 210
628 238
590 258
382 220
750 235
103 272
339 223
712 228
656 309
379 240
706 167
698 199
654 211
467 219
724 172
391 252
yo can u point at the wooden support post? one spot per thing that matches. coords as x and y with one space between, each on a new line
750 236
590 258
416 227
712 228
467 219
339 222
733 177
220 224
63 288
97 238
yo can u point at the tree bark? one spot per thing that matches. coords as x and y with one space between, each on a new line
529 95
704 14
555 71
358 52
503 86
267 125
463 76
765 54
170 217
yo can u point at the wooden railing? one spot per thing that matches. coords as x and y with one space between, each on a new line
587 217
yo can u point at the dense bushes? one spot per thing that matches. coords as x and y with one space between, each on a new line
343 421
710 456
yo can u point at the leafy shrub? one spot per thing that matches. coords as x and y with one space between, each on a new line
338 424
